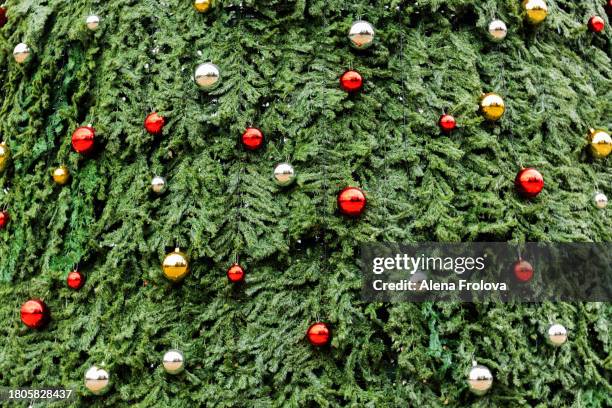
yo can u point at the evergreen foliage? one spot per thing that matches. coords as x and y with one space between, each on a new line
280 62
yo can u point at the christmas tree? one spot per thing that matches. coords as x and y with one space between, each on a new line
211 256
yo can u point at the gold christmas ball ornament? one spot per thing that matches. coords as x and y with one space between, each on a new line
207 76
361 35
203 6
535 11
173 362
97 380
492 106
5 156
175 266
21 53
556 335
480 379
497 30
601 200
601 143
92 22
158 185
61 175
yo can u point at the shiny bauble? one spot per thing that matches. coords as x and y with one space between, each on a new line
608 7
535 11
4 219
3 18
523 271
447 123
318 334
351 201
529 183
175 266
600 200
173 362
154 123
596 24
92 22
600 143
5 156
97 380
492 106
284 174
83 139
202 6
61 175
158 185
556 335
75 280
252 138
351 81
21 53
361 35
480 379
34 313
235 273
207 76
497 30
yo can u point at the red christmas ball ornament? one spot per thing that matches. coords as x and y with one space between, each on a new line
34 313
596 24
609 7
351 201
83 139
4 219
523 271
529 182
447 123
154 124
75 280
3 17
318 334
351 81
235 273
252 138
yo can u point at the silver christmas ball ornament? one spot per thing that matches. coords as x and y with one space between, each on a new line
497 30
158 185
97 380
21 53
480 379
601 200
92 22
173 362
361 35
556 335
207 75
284 174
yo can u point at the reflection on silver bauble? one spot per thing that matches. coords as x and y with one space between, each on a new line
21 53
173 362
361 35
556 335
92 22
207 75
97 380
497 30
480 379
601 200
284 174
158 184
